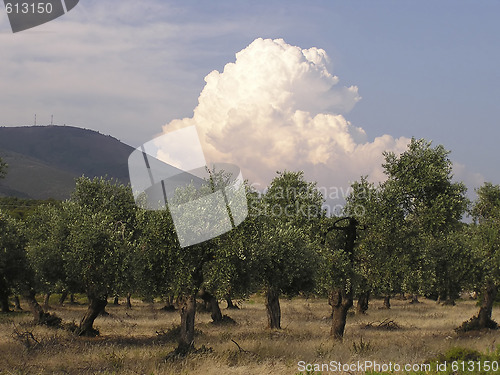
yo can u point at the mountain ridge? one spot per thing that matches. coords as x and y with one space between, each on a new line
45 160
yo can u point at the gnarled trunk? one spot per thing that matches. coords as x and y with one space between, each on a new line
35 308
213 305
4 301
230 304
169 303
273 309
483 318
387 302
97 304
341 302
129 303
39 315
414 299
484 315
188 313
46 301
63 297
363 301
17 303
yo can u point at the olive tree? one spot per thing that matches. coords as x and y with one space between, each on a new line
99 251
286 239
183 272
13 264
421 181
47 233
287 263
484 236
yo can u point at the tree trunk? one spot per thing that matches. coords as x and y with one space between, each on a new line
414 299
230 304
116 302
341 302
215 310
169 303
46 301
449 302
4 301
35 308
213 305
63 297
188 312
17 303
72 299
484 315
387 302
273 309
97 305
39 315
129 303
362 305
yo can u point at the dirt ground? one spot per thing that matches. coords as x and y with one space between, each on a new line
138 340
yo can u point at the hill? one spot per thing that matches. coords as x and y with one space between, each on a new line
45 160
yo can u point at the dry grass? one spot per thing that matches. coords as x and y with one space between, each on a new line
129 343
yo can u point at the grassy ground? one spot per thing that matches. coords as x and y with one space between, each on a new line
137 341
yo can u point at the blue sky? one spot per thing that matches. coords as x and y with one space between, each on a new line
428 69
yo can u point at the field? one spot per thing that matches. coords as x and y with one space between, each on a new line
138 340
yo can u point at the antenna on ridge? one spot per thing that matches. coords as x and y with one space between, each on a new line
51 119
35 119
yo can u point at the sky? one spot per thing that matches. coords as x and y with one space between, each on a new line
322 86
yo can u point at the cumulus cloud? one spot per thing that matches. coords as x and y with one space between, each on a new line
277 107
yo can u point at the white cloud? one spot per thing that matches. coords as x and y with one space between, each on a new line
278 107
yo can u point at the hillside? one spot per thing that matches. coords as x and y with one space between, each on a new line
45 160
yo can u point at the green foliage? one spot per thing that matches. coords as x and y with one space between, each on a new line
232 271
484 235
421 179
3 168
487 205
13 264
458 353
334 268
101 221
156 247
285 240
286 257
84 244
383 245
290 197
428 207
450 273
20 208
222 264
102 195
47 232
